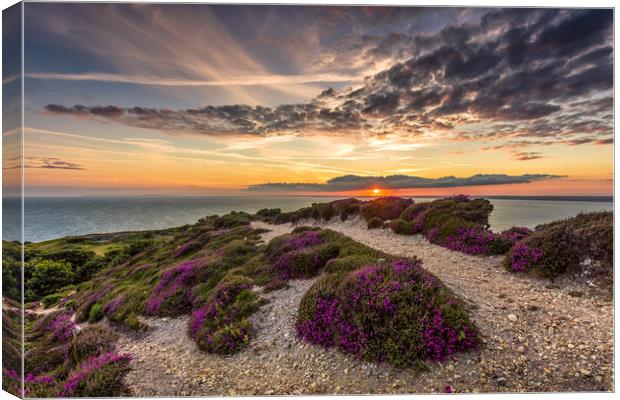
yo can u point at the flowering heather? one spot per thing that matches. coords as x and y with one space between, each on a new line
373 313
221 325
523 257
79 378
187 248
63 328
441 340
516 233
306 239
303 262
173 288
470 241
113 306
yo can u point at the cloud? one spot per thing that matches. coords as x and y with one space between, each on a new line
513 73
39 162
355 182
50 163
526 155
245 80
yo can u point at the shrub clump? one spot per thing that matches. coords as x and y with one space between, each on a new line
394 312
578 245
98 376
187 248
516 233
222 324
91 341
375 223
385 208
171 296
477 241
401 227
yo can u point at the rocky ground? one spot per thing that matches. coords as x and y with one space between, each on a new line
537 337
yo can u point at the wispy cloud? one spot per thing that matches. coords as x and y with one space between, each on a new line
245 80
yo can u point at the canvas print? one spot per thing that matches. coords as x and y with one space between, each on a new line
227 200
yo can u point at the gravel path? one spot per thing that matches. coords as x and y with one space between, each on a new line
537 337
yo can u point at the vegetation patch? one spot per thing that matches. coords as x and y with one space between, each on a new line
394 312
581 246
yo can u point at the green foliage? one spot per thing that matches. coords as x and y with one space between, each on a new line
96 313
49 276
51 299
375 223
385 208
232 220
401 226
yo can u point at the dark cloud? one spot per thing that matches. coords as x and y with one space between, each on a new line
50 163
354 182
537 73
526 155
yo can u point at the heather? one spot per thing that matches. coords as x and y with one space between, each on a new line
384 208
221 324
392 312
581 246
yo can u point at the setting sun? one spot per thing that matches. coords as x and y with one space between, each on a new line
376 192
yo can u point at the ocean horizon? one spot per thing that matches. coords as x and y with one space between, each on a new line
49 218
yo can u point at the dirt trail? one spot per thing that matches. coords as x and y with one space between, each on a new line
536 338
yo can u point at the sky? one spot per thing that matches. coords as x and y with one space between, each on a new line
263 100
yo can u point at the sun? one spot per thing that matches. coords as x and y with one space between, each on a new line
376 192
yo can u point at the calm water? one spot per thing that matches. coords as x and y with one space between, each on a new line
50 218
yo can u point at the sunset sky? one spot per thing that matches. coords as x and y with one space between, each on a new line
196 99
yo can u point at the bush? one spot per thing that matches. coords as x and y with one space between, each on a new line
401 227
232 220
50 276
221 325
396 312
100 376
51 299
385 208
477 241
187 248
567 246
516 233
91 341
96 313
268 214
303 262
171 296
375 223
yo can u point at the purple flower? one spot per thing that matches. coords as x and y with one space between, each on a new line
63 328
113 306
88 367
524 257
470 240
186 248
306 239
173 282
432 235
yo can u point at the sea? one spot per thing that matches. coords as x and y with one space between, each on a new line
48 218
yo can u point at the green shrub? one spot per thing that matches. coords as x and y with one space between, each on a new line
385 208
304 262
401 227
51 299
268 214
96 313
49 276
232 220
375 223
349 263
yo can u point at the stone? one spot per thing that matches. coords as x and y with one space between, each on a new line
512 318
